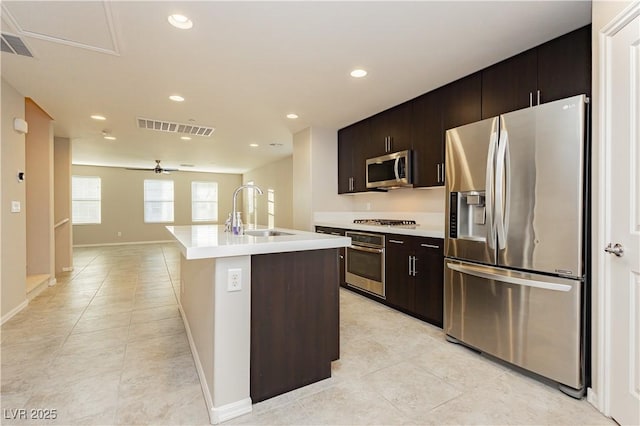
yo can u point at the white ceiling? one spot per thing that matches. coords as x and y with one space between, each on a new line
245 65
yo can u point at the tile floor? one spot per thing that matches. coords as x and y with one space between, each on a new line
106 346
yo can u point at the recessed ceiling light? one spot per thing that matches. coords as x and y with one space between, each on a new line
180 21
176 98
185 138
110 138
292 116
358 73
254 145
98 117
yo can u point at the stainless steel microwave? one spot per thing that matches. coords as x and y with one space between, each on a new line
390 170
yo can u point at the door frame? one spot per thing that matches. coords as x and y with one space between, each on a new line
600 394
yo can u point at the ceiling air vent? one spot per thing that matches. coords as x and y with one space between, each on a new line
13 44
172 127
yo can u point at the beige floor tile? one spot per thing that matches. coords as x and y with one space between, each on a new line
107 346
155 313
153 329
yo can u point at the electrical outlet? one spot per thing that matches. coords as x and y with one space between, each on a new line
119 234
234 281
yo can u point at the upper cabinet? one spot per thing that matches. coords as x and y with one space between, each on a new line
391 130
428 140
557 69
509 85
564 66
352 143
462 101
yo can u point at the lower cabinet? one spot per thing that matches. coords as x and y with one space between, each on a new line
414 276
336 231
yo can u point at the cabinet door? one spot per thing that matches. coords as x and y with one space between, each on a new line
391 130
462 101
509 85
428 140
564 66
429 279
352 141
341 250
399 287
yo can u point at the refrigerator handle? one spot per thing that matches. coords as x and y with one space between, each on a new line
507 187
490 274
500 187
491 232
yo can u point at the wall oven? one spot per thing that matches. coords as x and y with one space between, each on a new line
364 263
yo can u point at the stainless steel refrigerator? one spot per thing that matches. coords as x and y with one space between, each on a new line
515 239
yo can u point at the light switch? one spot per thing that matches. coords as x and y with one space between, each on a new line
15 207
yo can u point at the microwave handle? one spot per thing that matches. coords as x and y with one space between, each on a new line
395 168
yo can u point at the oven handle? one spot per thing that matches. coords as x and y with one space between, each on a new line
368 250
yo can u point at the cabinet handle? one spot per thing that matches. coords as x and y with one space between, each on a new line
430 246
442 169
390 143
396 241
410 264
538 97
438 179
414 266
530 99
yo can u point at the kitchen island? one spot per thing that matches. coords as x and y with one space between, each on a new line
260 311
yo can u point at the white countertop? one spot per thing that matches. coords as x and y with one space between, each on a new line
210 241
426 230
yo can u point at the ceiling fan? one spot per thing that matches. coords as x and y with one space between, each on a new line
157 169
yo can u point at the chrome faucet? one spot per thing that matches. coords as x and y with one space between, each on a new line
234 220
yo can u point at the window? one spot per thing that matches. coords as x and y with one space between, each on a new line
85 200
271 207
204 201
158 201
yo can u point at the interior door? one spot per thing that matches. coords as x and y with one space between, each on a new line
622 218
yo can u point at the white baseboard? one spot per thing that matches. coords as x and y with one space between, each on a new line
67 269
14 311
131 243
230 411
216 414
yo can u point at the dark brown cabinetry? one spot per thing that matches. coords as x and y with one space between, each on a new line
462 101
414 276
428 140
390 131
509 85
294 320
555 70
340 232
352 143
564 66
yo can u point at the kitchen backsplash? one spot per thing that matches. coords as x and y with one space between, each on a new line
430 200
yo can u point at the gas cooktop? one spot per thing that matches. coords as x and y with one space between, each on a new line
386 222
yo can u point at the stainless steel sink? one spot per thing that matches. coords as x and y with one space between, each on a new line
265 233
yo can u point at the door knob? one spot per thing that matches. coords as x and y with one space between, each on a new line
616 249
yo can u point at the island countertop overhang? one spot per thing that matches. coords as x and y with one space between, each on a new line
211 241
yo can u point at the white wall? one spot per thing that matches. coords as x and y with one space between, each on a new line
123 204
302 185
13 225
602 13
277 176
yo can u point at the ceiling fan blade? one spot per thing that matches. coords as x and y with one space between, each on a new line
133 168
